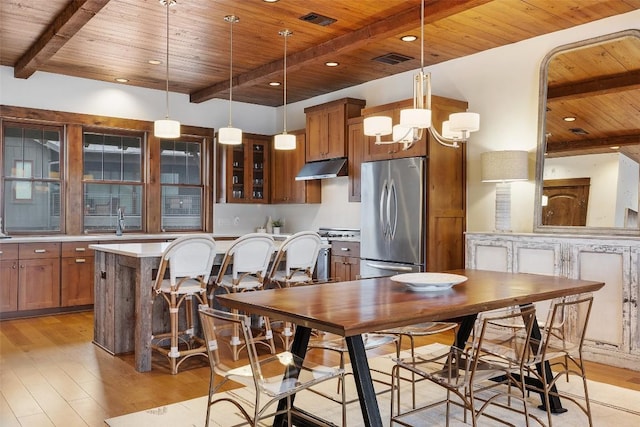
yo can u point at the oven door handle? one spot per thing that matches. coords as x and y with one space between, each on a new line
389 267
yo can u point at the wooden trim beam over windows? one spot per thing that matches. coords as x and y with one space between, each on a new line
395 24
62 29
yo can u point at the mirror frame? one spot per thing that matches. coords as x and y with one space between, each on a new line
542 104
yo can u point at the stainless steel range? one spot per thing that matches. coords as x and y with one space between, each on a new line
323 266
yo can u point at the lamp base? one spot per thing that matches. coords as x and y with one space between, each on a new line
503 206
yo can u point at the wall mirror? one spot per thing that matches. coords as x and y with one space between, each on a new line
588 160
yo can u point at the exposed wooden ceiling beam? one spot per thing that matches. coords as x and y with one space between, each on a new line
598 86
558 147
62 28
404 21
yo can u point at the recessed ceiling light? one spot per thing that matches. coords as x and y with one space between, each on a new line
121 80
331 64
569 119
274 84
409 38
154 62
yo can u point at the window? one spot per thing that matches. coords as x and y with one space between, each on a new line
112 178
182 189
31 178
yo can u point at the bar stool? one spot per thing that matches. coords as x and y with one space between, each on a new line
299 254
189 260
244 268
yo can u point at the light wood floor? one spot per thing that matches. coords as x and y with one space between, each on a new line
52 375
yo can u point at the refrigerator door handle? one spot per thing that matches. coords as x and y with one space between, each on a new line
389 267
383 211
393 220
388 218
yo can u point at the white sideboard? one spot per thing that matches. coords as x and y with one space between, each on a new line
613 334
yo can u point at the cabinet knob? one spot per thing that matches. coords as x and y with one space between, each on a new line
39 251
80 249
345 249
80 261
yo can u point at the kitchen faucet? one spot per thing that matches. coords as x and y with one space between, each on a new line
119 222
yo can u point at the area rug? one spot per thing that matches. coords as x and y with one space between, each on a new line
610 405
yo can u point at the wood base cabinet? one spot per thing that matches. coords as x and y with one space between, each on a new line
76 273
345 260
8 278
38 275
613 333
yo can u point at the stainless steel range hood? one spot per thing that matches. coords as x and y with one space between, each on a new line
323 169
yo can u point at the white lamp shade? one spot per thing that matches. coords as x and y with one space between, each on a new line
448 133
166 129
284 141
469 122
502 166
402 133
230 136
377 125
415 118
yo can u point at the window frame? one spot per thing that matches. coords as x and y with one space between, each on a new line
32 180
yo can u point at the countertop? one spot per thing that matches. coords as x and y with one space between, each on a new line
112 238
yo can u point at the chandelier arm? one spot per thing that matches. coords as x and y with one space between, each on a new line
447 142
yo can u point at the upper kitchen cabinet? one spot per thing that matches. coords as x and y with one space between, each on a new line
243 170
357 142
285 165
327 128
441 108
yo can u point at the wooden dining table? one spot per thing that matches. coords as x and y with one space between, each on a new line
350 309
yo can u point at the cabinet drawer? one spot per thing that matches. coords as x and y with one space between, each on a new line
39 250
8 251
76 249
344 248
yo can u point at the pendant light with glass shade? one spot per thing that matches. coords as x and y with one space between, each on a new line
414 120
230 135
167 128
285 141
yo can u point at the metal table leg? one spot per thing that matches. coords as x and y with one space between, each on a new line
364 383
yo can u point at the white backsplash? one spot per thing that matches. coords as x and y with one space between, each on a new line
334 211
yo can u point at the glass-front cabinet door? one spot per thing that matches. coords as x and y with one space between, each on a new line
244 173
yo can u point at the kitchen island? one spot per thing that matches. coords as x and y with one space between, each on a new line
124 313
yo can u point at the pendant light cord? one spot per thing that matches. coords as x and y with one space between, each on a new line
284 125
231 19
285 33
167 60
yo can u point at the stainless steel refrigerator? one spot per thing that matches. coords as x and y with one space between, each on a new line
392 228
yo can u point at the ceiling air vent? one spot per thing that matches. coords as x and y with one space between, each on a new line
316 18
579 131
392 58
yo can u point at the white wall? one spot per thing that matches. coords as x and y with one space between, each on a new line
501 84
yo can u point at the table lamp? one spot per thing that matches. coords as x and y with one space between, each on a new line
502 167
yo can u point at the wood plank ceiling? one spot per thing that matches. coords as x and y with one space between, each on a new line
109 39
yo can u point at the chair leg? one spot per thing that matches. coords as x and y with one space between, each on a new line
174 353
